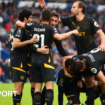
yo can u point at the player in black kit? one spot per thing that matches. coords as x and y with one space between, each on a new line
42 67
53 22
90 62
18 54
85 40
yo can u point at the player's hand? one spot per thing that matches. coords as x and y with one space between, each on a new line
42 4
79 84
7 38
76 32
102 47
33 40
43 50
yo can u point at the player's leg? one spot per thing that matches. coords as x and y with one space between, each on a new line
43 93
89 90
49 92
18 78
88 75
18 87
102 97
36 77
48 77
37 94
73 95
32 91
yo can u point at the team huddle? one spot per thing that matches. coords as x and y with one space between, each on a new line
30 44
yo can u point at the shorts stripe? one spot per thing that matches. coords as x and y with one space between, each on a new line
48 66
19 69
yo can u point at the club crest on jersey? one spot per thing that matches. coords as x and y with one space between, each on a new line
78 27
94 70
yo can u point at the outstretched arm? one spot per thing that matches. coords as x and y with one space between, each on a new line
65 35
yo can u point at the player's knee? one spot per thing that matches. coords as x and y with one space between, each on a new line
37 97
19 89
49 94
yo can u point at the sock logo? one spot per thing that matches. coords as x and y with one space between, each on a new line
17 103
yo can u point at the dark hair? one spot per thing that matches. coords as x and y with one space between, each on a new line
81 5
46 15
55 14
24 13
75 65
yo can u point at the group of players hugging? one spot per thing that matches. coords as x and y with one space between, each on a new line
30 44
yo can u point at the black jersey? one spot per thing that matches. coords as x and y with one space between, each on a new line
59 46
68 83
44 33
93 60
87 28
18 56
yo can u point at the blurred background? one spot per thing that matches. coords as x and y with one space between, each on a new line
8 16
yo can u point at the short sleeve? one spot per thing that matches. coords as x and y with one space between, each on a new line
66 20
94 26
28 26
53 31
95 68
19 33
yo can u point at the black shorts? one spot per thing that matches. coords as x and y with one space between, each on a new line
18 74
29 68
73 95
41 72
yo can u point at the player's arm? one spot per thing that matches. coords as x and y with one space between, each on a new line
17 42
101 78
60 48
102 38
27 26
65 35
42 4
60 95
42 50
96 29
64 68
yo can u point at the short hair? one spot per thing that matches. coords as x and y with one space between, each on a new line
24 13
46 15
76 66
81 5
55 14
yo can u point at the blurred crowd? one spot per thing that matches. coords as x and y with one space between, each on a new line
8 17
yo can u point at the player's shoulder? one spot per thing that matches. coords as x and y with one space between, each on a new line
89 18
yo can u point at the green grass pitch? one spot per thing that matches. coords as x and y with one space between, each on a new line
26 98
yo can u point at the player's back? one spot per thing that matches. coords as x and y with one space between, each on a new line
44 33
96 56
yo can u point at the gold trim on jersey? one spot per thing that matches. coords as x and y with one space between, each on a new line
17 68
48 66
49 60
29 64
70 95
21 65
